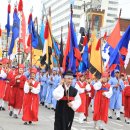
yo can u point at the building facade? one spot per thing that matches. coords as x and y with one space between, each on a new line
60 13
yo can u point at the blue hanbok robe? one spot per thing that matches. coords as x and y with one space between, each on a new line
116 99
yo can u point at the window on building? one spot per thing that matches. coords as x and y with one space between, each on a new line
110 21
113 2
112 15
114 9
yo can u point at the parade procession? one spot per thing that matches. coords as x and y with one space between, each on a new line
66 72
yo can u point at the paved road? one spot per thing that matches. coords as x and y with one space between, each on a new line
46 121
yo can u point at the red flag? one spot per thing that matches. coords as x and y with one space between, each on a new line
20 6
67 49
0 32
46 32
115 36
29 40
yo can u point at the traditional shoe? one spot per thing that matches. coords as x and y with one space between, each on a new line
30 122
15 116
10 113
25 123
110 117
85 119
118 118
3 109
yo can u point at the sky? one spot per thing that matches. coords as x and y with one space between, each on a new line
27 5
124 4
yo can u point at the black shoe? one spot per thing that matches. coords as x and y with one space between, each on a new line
85 119
10 113
121 112
3 109
30 122
52 108
42 103
127 122
45 106
0 108
118 118
110 117
25 123
15 116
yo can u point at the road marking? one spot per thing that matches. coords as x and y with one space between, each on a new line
116 123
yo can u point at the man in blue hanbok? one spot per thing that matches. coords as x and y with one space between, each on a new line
52 84
117 85
43 90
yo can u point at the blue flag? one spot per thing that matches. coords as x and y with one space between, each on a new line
32 32
15 31
74 54
84 64
7 26
120 52
42 33
57 51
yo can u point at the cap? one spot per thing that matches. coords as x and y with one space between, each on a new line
34 70
116 71
80 74
5 61
105 75
21 66
68 74
54 69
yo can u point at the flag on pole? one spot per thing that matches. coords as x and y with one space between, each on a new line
32 38
47 58
95 57
15 30
42 32
118 56
72 55
61 52
7 26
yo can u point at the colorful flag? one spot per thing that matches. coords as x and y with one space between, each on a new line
119 54
32 38
42 33
47 58
72 55
61 52
115 36
95 58
15 30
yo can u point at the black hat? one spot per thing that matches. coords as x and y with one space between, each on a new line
68 74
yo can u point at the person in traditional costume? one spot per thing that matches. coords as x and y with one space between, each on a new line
82 88
68 101
117 85
10 79
101 101
3 76
16 98
127 102
52 84
31 99
43 91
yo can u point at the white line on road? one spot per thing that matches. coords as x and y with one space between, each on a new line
116 123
